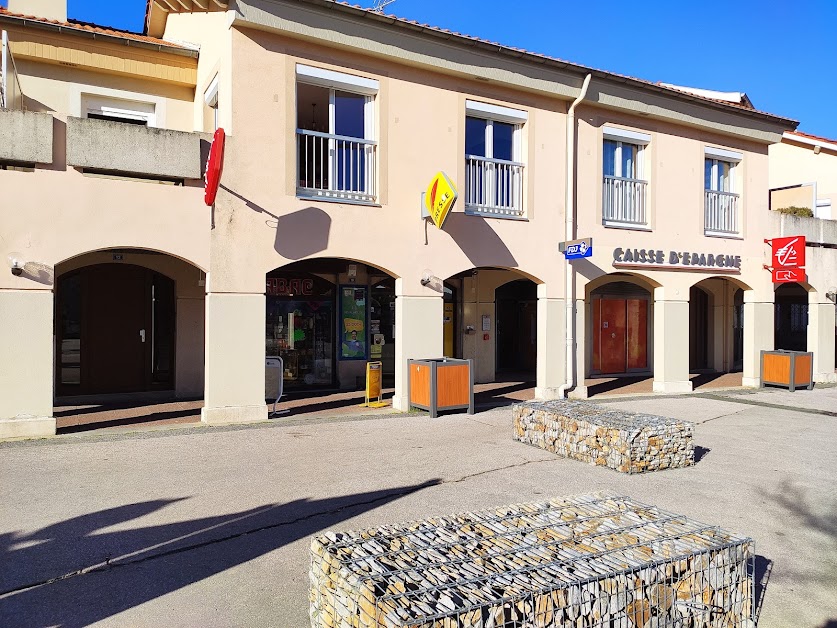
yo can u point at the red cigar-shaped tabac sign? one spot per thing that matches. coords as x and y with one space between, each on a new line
214 166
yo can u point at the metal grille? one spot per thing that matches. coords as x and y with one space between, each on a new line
493 187
591 561
721 210
336 166
624 200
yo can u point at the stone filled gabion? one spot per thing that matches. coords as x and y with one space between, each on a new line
589 561
625 441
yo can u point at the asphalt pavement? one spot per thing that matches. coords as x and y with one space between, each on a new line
199 526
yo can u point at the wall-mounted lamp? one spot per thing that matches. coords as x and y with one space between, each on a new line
16 263
832 294
429 280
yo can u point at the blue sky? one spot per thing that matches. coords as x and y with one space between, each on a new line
771 49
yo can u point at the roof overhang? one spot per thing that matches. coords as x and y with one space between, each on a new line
157 11
342 25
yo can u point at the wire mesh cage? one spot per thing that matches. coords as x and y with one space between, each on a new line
591 561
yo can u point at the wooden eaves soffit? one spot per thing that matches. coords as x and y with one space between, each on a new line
157 11
67 46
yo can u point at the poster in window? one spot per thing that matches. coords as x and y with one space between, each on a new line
352 323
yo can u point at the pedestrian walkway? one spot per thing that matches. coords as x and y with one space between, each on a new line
644 385
214 524
145 413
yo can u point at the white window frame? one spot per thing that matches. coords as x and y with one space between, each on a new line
633 138
210 97
733 159
730 157
639 141
339 81
118 108
517 118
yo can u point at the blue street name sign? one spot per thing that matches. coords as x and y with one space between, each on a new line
577 249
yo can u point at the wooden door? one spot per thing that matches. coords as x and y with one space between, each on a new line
637 313
613 337
117 347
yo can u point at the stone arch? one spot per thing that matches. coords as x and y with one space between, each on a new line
129 321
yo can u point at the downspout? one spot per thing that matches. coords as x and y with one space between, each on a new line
569 232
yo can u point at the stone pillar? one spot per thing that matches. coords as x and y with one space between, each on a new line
671 346
235 371
419 333
551 346
821 339
758 335
26 367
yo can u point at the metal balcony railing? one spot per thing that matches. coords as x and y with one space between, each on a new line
625 201
493 187
721 213
11 96
336 167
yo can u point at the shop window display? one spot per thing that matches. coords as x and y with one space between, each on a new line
300 328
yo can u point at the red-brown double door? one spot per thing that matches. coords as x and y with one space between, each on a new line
620 335
115 330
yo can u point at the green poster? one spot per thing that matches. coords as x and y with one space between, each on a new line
352 323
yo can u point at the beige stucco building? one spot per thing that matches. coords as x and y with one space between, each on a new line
315 250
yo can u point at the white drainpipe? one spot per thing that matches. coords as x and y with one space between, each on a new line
569 210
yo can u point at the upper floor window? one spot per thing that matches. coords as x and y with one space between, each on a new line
210 112
721 195
493 160
625 186
336 147
118 110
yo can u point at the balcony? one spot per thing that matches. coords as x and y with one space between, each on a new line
624 202
108 146
336 167
721 214
822 231
493 187
25 137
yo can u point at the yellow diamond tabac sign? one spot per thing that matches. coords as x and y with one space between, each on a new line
439 199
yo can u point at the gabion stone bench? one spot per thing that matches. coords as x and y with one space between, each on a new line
592 561
624 441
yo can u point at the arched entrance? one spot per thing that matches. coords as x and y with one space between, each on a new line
716 326
517 327
791 317
128 321
326 318
491 317
621 326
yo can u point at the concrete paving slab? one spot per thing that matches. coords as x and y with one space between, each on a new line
207 527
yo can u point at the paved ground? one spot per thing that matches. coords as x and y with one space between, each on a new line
150 413
153 414
701 382
198 526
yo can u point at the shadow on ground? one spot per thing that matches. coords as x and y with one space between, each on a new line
75 573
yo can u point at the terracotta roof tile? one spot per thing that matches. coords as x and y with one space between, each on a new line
94 28
816 138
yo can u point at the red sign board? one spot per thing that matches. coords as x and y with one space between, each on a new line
788 259
214 165
788 252
788 275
